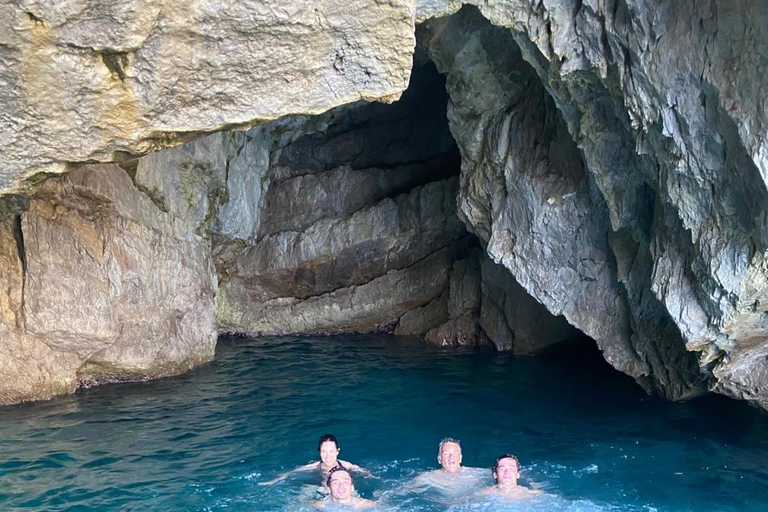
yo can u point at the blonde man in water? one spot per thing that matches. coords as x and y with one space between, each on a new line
506 471
328 448
343 492
452 479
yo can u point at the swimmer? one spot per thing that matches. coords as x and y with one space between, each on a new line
328 448
342 491
452 478
506 471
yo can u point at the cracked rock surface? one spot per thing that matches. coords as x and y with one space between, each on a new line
666 220
98 285
98 80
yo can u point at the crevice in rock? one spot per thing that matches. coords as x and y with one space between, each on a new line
116 63
18 235
38 21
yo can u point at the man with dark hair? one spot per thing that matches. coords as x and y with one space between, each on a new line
506 471
342 491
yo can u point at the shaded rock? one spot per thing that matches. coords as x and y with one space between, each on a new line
527 192
360 198
512 319
418 321
463 306
371 307
296 203
96 81
394 234
363 136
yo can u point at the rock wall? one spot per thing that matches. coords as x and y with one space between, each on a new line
100 286
357 222
99 81
670 125
613 156
512 319
349 222
527 193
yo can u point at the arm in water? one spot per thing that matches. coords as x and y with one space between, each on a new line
283 476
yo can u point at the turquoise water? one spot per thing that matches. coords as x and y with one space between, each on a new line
203 441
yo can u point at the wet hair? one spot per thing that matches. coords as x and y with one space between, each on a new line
505 456
327 437
445 441
336 470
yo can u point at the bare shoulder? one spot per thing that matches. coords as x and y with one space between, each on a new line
362 503
353 466
319 504
525 493
427 475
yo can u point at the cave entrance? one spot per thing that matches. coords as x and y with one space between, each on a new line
359 229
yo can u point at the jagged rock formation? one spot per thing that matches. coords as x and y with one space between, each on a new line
614 161
514 320
526 192
671 129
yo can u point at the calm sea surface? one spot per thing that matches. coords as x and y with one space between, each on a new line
203 441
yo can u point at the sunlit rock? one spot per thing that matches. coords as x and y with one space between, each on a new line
113 288
29 368
96 81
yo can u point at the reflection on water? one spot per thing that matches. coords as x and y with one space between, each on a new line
203 441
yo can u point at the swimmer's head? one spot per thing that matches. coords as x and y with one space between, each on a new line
328 448
449 454
340 483
506 469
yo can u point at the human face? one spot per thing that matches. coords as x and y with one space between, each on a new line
328 453
341 486
507 472
450 457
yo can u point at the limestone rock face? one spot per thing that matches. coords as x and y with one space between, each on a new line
30 369
670 123
95 80
113 288
346 256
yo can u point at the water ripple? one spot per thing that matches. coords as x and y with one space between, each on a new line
204 440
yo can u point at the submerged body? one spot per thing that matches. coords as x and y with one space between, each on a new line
328 448
450 485
342 492
452 480
506 472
